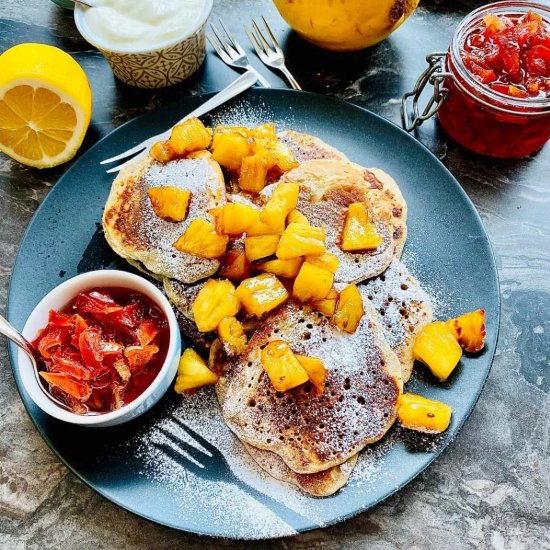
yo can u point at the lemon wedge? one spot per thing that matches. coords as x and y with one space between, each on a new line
45 105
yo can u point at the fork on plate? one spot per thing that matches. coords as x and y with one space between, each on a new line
269 51
231 52
200 457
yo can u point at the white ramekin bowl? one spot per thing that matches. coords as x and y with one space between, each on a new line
168 63
62 295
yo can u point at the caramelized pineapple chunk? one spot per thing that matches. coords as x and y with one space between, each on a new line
266 131
257 146
229 149
231 333
282 156
193 372
349 310
235 266
359 232
223 129
423 415
326 306
283 200
295 216
437 347
216 354
327 261
316 371
200 239
260 247
261 294
163 152
282 366
215 301
469 330
261 228
191 135
301 240
234 218
253 173
169 203
312 283
281 268
202 154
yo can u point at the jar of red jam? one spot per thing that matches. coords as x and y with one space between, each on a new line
491 89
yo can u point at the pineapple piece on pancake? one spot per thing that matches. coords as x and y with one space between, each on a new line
313 432
136 233
327 188
404 309
306 147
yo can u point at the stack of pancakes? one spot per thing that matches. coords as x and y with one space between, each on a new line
299 436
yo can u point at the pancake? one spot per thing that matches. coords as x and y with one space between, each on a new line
320 484
134 231
307 147
327 187
382 183
313 432
404 309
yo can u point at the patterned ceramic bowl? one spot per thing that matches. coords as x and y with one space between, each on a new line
168 63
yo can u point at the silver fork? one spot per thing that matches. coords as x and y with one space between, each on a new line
238 86
231 52
206 461
269 51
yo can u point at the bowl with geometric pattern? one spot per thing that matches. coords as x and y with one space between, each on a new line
168 63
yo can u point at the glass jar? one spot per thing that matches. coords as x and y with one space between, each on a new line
479 118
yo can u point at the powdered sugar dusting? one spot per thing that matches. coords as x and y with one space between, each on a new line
242 112
251 489
404 309
305 429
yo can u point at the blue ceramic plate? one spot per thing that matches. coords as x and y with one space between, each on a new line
136 466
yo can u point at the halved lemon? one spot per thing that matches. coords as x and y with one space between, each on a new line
45 105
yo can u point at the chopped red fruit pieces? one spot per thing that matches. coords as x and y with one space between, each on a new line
68 384
511 54
103 350
147 331
50 341
139 356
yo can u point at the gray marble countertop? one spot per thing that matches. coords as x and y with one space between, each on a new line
491 488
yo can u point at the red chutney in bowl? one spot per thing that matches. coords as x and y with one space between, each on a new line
498 100
103 350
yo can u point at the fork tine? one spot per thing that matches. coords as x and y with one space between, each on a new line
128 162
131 151
271 35
193 452
213 42
227 48
178 458
234 43
257 47
198 438
260 36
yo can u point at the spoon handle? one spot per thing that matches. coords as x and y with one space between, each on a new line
16 337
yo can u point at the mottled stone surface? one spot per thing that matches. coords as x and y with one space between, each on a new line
491 489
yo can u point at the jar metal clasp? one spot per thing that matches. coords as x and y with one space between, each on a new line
435 76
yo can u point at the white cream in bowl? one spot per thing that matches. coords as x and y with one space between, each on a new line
148 43
141 24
